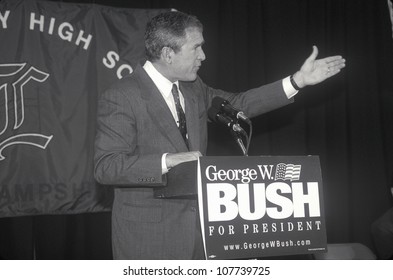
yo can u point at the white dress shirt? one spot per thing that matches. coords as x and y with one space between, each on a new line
165 88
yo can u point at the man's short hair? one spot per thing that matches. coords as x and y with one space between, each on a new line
168 30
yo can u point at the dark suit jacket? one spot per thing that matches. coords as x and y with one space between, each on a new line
135 127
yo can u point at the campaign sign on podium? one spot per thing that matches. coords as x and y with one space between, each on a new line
261 206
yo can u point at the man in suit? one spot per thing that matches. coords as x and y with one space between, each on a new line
142 134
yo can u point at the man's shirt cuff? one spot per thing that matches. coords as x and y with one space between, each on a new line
163 164
289 90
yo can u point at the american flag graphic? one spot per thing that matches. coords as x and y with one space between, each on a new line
287 172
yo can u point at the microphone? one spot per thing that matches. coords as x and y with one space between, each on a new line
218 117
223 105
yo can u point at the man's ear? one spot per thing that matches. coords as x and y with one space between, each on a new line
166 54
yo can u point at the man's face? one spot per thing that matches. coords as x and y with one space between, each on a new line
187 61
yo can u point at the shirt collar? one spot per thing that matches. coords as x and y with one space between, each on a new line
162 83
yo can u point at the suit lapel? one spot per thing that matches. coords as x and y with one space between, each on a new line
159 111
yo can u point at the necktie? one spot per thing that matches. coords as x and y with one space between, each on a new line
180 114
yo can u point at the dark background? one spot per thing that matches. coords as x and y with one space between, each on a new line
346 120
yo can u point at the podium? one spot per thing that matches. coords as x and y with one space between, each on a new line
257 206
181 182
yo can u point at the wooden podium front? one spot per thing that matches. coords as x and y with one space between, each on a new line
255 206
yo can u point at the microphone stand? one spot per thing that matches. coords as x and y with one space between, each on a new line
237 136
239 141
231 122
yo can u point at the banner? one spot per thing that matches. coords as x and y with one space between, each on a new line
261 206
55 58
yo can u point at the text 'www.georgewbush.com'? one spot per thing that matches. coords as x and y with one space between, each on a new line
266 245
